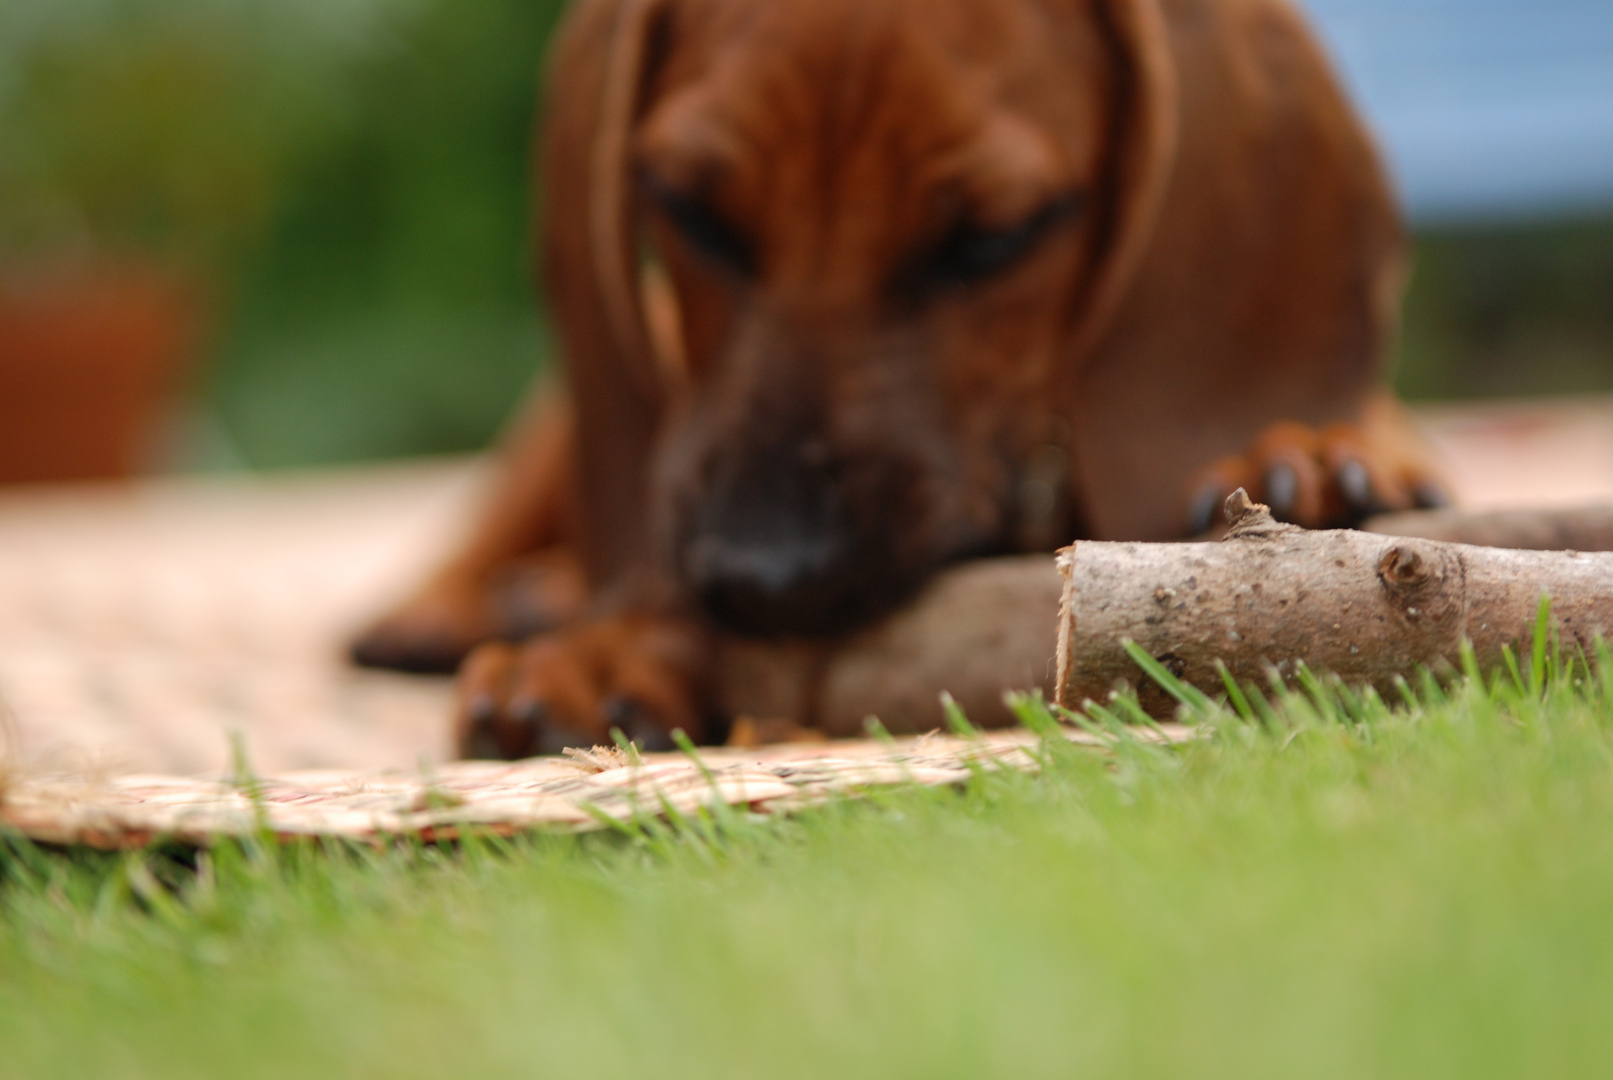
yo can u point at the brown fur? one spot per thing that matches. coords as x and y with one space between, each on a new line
826 382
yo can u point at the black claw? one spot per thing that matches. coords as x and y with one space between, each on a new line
481 744
556 740
628 715
1282 489
422 657
1201 511
650 738
619 711
481 709
1356 486
1430 496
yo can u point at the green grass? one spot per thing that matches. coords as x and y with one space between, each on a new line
1337 890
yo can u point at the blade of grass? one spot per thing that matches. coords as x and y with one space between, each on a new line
1187 694
1235 694
1542 639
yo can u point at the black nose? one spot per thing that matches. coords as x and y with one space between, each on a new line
771 548
789 585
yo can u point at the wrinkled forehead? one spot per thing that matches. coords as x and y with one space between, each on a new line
1001 102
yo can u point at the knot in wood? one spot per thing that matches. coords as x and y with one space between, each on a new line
1403 569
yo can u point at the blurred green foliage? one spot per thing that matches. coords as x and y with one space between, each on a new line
392 311
168 125
349 179
1510 309
352 178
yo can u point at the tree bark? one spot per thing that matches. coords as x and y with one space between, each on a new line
1364 606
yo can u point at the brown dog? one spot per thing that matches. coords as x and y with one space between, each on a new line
852 289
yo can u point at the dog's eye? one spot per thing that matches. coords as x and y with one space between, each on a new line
704 229
970 252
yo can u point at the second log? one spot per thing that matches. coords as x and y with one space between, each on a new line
1363 606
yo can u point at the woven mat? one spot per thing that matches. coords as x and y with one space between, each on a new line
583 791
144 627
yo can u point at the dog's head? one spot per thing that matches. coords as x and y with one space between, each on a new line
887 227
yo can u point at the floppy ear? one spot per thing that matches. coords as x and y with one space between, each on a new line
1259 283
1142 160
596 83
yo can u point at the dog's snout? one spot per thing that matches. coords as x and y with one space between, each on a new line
766 588
772 548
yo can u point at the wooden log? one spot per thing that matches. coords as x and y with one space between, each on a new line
1364 606
977 630
1270 594
1581 528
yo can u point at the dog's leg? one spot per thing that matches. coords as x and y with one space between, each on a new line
646 675
517 574
1328 477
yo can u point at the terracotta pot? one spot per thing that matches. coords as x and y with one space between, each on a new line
89 357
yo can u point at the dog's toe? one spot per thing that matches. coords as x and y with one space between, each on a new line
638 723
1430 494
577 687
487 725
1206 502
1355 486
431 634
401 648
1328 478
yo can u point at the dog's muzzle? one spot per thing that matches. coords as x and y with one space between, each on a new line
773 550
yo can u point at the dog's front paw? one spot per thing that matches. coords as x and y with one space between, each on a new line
433 631
641 674
1333 477
429 634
